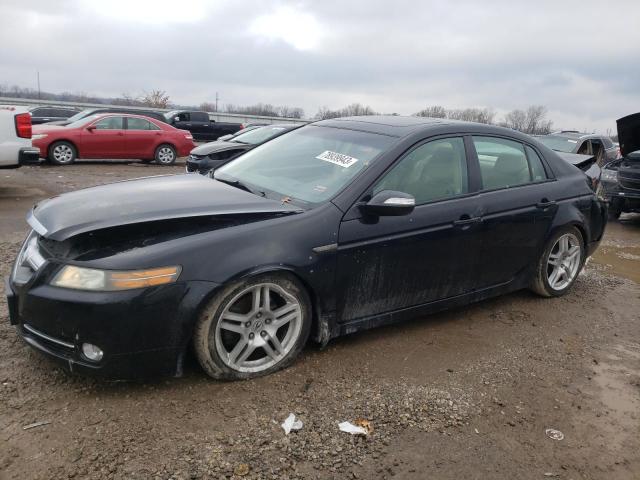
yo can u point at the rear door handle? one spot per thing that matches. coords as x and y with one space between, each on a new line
466 220
544 203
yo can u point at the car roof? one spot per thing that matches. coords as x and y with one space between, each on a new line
401 126
573 135
120 114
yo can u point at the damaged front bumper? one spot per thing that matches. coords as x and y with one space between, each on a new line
142 332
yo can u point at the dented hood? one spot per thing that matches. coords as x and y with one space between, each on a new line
629 133
145 200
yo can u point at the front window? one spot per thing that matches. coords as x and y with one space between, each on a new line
433 171
560 144
258 135
310 164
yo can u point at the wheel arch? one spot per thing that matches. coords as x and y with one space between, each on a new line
163 143
320 324
58 140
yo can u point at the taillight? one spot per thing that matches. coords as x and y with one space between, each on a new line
23 125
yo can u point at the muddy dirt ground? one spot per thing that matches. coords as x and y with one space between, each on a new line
464 394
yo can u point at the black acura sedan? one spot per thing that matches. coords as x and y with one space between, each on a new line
334 227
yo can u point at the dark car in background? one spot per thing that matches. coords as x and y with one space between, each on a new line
335 227
246 128
200 125
211 155
599 146
94 111
51 114
621 177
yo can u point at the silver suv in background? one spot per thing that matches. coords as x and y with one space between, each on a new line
570 141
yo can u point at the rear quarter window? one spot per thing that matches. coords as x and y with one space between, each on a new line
199 117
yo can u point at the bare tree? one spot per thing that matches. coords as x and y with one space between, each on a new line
267 110
434 111
353 110
155 99
207 106
127 99
480 115
532 121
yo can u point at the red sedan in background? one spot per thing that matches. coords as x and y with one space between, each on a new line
111 135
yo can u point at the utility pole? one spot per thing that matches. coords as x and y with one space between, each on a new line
217 101
38 72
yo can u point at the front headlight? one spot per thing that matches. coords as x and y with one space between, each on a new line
80 278
609 175
39 136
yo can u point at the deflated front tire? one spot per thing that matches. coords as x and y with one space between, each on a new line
253 327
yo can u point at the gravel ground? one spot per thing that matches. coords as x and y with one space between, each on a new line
467 393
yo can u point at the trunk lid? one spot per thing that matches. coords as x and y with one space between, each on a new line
629 133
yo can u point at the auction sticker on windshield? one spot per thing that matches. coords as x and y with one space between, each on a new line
337 158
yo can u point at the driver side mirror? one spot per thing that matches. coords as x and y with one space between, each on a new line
389 203
91 128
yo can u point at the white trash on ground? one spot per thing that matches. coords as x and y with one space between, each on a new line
361 427
554 434
291 423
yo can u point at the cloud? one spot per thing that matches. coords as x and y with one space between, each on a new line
296 28
577 58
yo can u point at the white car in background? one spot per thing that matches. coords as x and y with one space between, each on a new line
15 138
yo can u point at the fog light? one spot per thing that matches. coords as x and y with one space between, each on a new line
92 352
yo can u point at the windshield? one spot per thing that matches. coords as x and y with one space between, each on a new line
310 164
560 144
257 135
79 115
83 121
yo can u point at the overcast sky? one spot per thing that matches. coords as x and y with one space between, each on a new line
579 58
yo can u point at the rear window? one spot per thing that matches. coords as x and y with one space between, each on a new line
560 144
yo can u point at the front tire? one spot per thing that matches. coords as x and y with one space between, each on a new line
253 328
560 263
165 155
62 153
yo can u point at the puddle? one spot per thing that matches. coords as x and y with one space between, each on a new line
20 192
619 251
616 380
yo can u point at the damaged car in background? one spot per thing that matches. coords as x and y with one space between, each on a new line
334 227
211 155
621 178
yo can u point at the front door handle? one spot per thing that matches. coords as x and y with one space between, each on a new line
545 203
465 220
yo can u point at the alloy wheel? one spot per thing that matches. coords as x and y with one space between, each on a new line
564 261
63 153
166 155
258 328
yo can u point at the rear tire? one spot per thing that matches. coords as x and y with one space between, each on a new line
62 153
239 335
560 263
165 155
